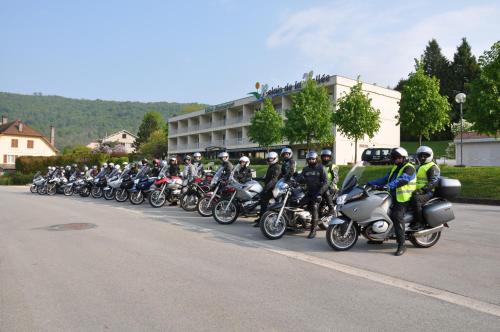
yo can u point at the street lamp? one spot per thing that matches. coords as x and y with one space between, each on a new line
460 99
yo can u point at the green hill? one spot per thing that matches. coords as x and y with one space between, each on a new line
79 121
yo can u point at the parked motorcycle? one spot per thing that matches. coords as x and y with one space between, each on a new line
122 193
38 180
210 198
141 189
363 210
193 192
55 184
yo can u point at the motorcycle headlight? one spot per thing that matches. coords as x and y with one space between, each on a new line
279 189
341 199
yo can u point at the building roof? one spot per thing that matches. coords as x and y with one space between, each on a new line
12 128
473 136
120 131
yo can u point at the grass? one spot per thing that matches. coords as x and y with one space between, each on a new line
439 147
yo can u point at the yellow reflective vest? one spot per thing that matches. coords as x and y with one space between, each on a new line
403 193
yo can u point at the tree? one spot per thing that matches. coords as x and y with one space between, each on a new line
156 146
266 126
151 122
309 118
422 109
77 149
436 65
355 117
483 101
465 69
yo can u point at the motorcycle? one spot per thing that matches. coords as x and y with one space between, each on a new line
122 193
55 185
288 213
113 184
237 198
165 189
193 192
38 180
364 210
85 186
210 198
100 183
141 189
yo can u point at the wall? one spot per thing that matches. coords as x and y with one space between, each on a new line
479 153
40 148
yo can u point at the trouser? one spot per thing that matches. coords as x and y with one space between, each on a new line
397 213
264 201
313 207
328 197
417 201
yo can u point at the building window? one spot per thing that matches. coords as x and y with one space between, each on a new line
124 135
9 159
302 154
31 143
14 143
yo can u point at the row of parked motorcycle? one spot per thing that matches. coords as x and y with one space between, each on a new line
359 210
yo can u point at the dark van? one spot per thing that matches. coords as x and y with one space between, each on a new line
377 156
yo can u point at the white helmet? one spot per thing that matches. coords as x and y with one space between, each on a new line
85 168
286 150
111 165
272 158
94 167
245 160
223 155
117 167
197 156
124 163
424 154
399 152
104 165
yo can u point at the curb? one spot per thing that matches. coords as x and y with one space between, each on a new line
482 201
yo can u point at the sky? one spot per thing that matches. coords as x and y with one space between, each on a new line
214 51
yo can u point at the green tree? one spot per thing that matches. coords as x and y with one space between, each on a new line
435 64
355 117
309 118
156 146
151 122
422 109
465 69
77 149
266 126
483 101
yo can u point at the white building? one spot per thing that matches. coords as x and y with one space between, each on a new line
123 138
478 150
18 139
225 126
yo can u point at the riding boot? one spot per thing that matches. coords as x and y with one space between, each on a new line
312 233
401 250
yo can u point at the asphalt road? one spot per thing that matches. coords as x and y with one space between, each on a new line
145 269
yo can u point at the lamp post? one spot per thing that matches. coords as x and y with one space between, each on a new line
460 99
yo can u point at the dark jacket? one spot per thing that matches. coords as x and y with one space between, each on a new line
272 175
288 168
242 174
227 169
173 170
315 180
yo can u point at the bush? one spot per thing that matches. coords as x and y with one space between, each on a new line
31 165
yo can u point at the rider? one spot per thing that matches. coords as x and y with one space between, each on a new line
272 176
332 174
173 168
190 170
198 164
401 181
314 176
226 165
288 166
242 173
427 179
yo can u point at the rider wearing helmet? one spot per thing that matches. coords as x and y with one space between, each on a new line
288 166
401 182
315 179
173 168
428 173
198 164
67 172
270 180
332 174
226 165
242 173
189 171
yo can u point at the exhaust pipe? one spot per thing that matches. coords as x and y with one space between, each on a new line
426 232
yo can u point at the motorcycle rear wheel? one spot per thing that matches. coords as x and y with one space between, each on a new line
136 198
96 192
189 202
338 242
68 191
51 189
157 199
121 195
225 213
425 241
85 192
267 227
33 188
109 194
41 190
203 208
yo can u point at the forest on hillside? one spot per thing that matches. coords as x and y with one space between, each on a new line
79 121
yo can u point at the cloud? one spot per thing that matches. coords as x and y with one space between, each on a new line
381 43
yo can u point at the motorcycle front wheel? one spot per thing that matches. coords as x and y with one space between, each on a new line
157 199
224 212
271 227
33 188
68 191
338 240
425 241
96 192
189 202
121 195
110 194
85 192
136 198
203 208
51 189
41 190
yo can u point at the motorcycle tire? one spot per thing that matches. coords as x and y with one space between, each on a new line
267 227
68 191
334 237
425 241
203 208
85 192
157 199
189 202
96 192
33 188
51 189
41 190
121 195
109 194
225 213
136 198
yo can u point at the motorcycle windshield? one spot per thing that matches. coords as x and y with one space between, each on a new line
352 178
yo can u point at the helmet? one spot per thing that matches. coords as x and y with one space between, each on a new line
326 155
187 158
124 163
424 154
245 161
74 165
197 156
223 156
312 158
49 168
144 162
85 168
156 162
163 163
111 165
399 153
272 158
117 167
104 165
172 159
286 150
68 167
94 167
